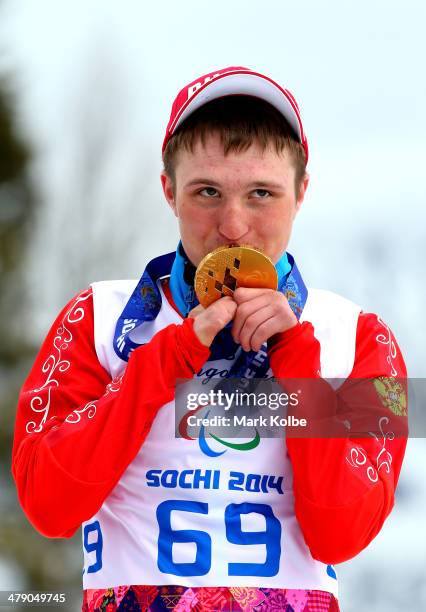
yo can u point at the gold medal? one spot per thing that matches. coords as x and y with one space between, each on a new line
229 267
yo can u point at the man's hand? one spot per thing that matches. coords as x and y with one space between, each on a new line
261 313
209 321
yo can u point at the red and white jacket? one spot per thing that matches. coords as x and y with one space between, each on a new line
83 418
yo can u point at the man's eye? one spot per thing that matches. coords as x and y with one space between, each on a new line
261 193
210 192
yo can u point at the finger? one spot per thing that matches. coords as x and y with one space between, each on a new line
222 311
245 310
263 332
227 305
214 318
196 311
243 294
252 323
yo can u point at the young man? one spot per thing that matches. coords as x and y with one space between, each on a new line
171 522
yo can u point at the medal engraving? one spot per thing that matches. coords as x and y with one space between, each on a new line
227 268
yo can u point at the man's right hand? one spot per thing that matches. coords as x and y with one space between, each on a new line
209 321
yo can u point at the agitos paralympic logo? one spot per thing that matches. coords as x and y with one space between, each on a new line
202 440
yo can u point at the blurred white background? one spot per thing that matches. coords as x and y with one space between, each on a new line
95 82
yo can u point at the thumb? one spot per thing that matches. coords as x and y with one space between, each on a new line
223 310
193 314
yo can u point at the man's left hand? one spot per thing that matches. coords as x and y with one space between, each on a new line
260 314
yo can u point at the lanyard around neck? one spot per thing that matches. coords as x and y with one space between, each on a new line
145 304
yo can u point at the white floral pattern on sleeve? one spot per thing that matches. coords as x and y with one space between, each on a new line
55 362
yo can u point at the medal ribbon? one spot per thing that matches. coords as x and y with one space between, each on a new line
145 304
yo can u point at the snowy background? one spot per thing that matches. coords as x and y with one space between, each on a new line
95 81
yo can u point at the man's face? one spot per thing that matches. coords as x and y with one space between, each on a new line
241 198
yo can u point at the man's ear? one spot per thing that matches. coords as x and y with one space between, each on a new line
302 190
168 190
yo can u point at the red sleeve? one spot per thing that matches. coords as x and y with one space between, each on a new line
344 487
76 429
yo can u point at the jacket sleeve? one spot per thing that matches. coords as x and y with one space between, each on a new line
344 486
76 429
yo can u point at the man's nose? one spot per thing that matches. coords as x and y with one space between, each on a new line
233 223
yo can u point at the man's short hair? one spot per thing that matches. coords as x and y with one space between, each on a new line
240 121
